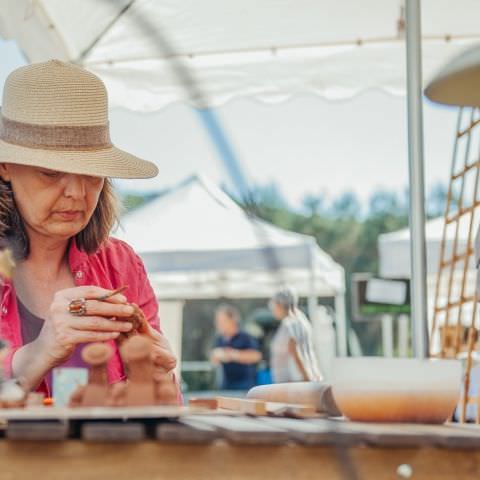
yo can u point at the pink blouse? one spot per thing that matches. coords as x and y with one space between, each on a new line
113 265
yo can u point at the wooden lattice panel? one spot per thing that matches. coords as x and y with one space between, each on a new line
455 308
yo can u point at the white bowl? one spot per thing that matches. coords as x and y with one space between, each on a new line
375 389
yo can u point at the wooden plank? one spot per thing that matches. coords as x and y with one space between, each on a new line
458 436
243 405
208 403
386 435
32 431
113 432
321 432
187 431
94 413
245 430
412 435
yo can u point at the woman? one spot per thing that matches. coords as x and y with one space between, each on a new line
57 208
292 355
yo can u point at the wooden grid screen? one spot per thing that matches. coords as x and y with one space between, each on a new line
455 307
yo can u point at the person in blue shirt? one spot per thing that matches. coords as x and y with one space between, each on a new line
235 350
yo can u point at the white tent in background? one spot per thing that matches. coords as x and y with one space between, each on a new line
196 242
394 260
153 53
195 232
394 248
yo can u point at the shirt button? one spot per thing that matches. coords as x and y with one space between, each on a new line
4 310
79 275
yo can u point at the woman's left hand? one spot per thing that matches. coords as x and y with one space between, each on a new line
165 362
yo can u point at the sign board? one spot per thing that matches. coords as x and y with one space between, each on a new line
373 296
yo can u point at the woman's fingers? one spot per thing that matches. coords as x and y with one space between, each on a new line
163 357
91 292
87 337
99 324
106 309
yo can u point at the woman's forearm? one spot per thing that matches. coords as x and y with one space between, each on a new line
29 365
247 357
292 346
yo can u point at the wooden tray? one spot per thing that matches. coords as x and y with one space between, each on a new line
98 413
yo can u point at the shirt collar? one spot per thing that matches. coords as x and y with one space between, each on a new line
76 257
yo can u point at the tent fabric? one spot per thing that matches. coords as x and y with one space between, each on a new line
196 242
151 54
394 248
394 262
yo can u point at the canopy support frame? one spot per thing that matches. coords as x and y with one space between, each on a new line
416 177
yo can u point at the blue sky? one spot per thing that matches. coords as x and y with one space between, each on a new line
306 145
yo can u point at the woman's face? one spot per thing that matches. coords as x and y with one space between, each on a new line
278 310
52 203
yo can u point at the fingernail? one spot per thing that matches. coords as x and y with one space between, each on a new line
122 298
127 326
115 334
128 310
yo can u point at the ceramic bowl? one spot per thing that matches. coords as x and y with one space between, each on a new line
375 389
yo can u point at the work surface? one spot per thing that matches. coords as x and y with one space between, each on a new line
234 447
151 461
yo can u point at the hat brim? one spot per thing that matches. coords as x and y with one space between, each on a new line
109 162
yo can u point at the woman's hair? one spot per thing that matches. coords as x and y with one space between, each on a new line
14 235
287 297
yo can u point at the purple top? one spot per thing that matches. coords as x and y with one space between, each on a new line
31 326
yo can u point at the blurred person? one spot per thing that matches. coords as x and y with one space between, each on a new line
292 356
235 350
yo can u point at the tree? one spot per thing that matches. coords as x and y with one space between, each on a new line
346 205
131 201
437 200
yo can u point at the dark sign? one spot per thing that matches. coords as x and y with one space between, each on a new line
372 296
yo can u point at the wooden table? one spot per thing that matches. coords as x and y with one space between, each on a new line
149 460
229 448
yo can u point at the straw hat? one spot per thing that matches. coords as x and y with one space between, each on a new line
458 83
55 115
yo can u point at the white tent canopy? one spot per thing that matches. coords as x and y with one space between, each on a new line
153 53
394 248
196 242
394 262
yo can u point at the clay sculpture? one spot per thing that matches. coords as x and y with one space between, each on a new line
137 355
96 392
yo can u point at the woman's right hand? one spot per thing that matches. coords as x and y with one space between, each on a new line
62 331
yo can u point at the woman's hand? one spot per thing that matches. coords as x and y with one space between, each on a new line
62 331
164 361
163 356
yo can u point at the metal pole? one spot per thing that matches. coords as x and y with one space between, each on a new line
417 188
341 324
387 335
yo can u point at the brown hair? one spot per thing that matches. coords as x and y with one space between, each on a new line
230 311
90 239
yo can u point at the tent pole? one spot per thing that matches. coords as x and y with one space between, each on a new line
341 324
418 287
312 297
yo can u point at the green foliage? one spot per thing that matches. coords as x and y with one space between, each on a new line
339 228
131 201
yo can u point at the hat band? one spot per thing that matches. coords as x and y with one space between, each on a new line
54 137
